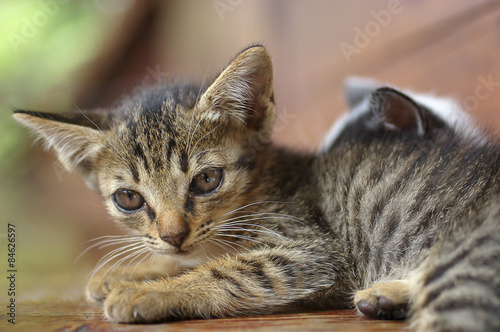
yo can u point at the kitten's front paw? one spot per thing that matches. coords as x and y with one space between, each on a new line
384 300
137 303
99 287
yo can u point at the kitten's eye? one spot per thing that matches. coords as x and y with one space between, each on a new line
207 181
128 200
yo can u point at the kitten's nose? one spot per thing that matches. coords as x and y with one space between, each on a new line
175 240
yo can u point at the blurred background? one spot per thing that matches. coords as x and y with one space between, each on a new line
59 55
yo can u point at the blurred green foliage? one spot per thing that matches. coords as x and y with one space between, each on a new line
44 46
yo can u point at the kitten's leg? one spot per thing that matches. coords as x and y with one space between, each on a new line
385 299
101 284
258 282
459 285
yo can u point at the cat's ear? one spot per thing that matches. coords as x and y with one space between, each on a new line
243 91
394 111
76 138
385 110
356 89
390 109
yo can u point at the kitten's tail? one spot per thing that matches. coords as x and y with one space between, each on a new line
459 286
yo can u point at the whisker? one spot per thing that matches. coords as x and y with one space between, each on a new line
196 102
111 237
142 259
117 250
251 204
221 242
265 215
250 230
243 237
132 255
111 256
153 258
211 131
192 134
99 129
240 226
205 251
203 82
144 250
107 241
117 253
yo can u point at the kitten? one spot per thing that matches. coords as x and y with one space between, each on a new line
400 208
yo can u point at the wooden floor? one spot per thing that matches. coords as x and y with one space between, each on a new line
449 47
66 317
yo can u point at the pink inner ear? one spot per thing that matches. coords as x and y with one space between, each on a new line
401 113
397 112
243 91
258 109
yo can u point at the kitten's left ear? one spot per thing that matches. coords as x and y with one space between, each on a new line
75 137
243 91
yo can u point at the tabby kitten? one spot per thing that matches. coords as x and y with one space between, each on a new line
400 208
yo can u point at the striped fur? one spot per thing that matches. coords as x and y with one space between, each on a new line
400 209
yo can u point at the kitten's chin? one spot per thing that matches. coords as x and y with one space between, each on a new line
176 253
185 258
180 254
194 255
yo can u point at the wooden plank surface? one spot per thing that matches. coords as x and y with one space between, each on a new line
66 317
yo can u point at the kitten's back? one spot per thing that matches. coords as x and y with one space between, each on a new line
424 208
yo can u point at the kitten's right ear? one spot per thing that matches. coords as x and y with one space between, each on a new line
243 91
75 137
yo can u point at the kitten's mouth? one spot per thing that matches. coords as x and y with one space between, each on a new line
183 252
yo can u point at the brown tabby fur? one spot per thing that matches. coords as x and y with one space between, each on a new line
400 208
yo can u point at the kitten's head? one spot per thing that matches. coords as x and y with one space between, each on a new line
376 108
171 163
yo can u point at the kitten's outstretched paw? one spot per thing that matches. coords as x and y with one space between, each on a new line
99 287
137 303
384 300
